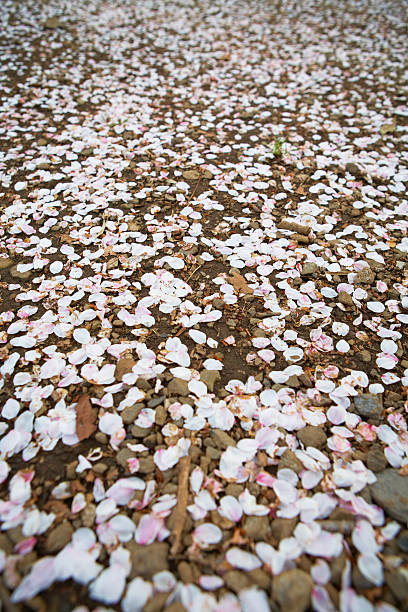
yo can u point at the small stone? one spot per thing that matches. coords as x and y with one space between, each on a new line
210 377
140 432
354 170
397 581
236 581
345 298
20 275
260 578
288 460
221 439
52 23
360 582
176 607
282 528
146 465
5 262
403 541
156 401
129 414
212 453
124 366
293 382
148 560
375 459
365 356
257 528
364 277
177 386
122 457
292 589
59 537
160 415
157 603
191 175
88 515
99 468
368 405
309 269
185 572
101 437
391 493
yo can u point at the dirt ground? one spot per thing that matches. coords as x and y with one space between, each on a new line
203 306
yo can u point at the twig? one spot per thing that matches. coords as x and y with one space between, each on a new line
195 189
193 272
181 508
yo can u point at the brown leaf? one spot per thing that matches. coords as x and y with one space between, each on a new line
85 418
239 283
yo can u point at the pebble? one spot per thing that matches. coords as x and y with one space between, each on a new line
258 528
177 386
236 581
345 298
130 413
20 275
147 560
210 377
221 439
312 435
368 405
282 528
5 262
156 401
160 415
403 541
288 460
123 455
292 590
375 459
391 493
364 277
309 269
365 356
397 581
59 537
88 515
146 465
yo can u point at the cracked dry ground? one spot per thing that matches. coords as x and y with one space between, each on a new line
204 306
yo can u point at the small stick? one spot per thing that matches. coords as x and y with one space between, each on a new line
182 499
193 272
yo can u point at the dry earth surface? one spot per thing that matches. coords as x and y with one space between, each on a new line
204 305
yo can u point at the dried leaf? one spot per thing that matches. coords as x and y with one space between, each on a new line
239 283
85 418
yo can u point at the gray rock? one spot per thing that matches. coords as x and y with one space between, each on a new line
5 262
365 277
282 528
221 439
123 455
309 269
368 405
375 459
391 493
130 413
403 541
210 377
148 560
258 528
146 465
292 590
161 415
288 460
312 436
236 581
345 298
14 273
177 386
397 581
59 537
155 401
